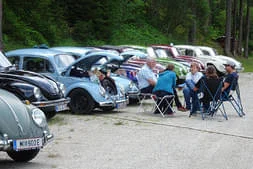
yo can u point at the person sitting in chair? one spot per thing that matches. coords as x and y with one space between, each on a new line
231 78
165 86
211 87
146 77
190 95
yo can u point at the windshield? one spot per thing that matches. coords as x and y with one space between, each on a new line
63 60
175 51
4 62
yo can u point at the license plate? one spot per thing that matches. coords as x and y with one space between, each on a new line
61 107
27 144
121 105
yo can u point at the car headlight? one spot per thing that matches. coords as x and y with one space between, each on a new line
36 92
39 117
62 88
131 85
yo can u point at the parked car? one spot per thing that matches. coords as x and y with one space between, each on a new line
195 52
208 51
23 128
86 94
162 52
40 90
130 88
136 57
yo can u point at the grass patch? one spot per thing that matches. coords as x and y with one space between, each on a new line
247 63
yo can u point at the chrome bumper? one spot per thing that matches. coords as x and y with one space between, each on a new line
133 94
51 103
111 103
6 143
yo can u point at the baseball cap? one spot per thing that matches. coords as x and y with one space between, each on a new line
229 63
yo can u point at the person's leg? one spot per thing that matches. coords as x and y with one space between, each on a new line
195 102
187 97
178 102
147 89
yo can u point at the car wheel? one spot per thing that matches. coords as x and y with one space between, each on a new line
81 101
50 115
23 156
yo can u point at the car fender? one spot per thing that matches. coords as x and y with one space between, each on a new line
92 88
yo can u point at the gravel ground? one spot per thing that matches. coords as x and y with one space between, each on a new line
128 139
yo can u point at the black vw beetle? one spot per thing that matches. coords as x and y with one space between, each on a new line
40 90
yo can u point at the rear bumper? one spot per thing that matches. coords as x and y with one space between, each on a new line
6 144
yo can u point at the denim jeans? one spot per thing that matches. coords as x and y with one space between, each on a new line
191 99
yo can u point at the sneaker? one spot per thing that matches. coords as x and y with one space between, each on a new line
182 109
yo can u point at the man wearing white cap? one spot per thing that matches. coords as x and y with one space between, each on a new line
232 77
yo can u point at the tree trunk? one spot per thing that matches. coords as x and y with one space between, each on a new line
247 31
234 30
1 30
228 28
193 25
240 38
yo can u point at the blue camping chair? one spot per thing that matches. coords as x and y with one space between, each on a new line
209 96
232 95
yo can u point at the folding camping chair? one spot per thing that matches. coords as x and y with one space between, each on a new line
232 95
156 102
210 97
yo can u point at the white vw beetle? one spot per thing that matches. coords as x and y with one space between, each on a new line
194 51
211 52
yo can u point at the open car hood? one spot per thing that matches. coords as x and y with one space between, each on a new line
88 61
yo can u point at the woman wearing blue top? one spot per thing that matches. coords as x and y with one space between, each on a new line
164 86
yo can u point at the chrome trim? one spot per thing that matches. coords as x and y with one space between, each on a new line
51 103
113 103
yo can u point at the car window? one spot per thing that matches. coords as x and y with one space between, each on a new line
39 65
63 61
189 52
161 53
205 52
14 60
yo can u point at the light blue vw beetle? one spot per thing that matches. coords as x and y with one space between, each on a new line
130 87
86 91
23 128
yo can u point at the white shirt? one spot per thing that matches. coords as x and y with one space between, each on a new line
143 75
194 77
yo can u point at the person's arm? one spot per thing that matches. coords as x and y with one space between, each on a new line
174 83
151 82
225 86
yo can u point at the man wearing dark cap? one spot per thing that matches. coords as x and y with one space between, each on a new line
232 77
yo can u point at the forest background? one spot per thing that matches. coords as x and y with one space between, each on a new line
135 22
